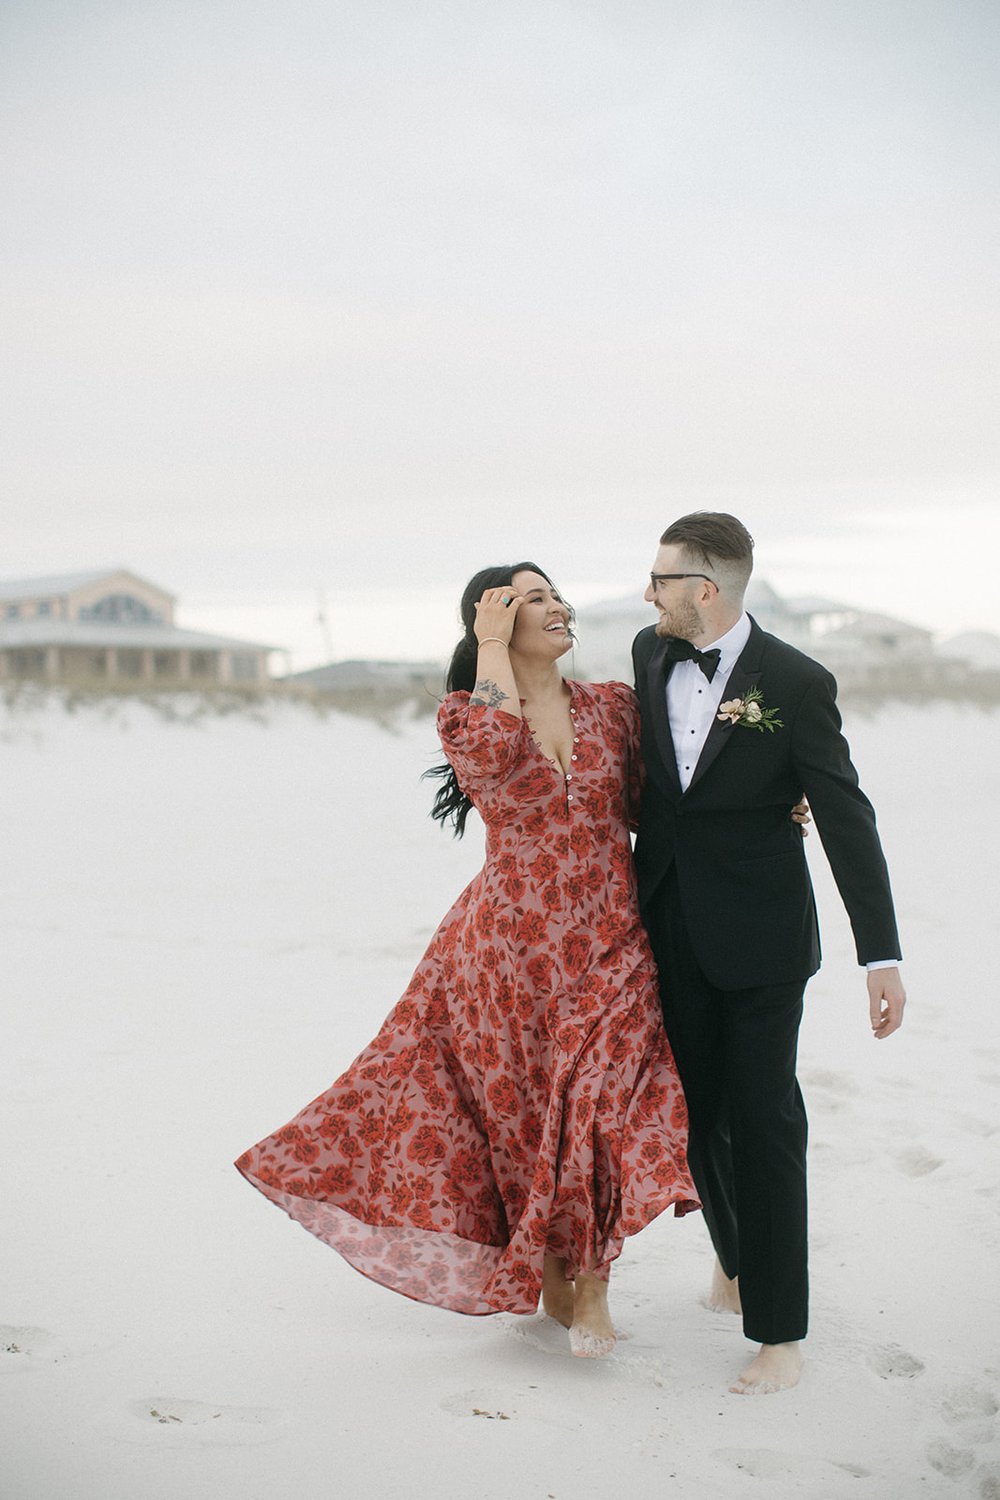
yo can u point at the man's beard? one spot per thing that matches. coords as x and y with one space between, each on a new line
683 621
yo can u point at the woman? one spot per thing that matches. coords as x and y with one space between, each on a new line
519 1114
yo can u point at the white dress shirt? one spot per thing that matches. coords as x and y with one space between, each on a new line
693 702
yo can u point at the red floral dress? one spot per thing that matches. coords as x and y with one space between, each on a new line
522 1097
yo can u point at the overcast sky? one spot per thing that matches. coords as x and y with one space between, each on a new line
356 297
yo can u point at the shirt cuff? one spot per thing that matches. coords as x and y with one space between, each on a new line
883 963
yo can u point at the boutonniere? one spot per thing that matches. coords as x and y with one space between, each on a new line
749 712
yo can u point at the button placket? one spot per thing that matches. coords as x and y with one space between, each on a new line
569 774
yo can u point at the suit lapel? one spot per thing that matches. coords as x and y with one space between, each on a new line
657 672
743 676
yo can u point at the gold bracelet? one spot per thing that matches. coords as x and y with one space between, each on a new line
494 638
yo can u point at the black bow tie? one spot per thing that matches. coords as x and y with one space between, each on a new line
708 661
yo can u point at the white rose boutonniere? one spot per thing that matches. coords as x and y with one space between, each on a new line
749 712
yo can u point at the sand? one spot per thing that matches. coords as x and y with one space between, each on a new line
203 923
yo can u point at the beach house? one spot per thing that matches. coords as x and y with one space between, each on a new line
113 627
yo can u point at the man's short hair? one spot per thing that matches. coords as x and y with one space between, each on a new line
718 542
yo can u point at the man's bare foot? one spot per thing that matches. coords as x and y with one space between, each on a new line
558 1297
776 1368
592 1334
725 1294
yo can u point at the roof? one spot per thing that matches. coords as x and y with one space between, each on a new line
980 648
357 674
57 584
98 634
817 604
866 623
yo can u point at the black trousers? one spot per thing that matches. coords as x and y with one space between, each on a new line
736 1054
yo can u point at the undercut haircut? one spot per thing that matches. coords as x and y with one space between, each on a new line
718 542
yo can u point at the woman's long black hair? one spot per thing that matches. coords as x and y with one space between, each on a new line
451 805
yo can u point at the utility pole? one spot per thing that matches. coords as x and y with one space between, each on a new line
323 620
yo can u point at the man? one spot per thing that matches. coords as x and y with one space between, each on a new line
736 726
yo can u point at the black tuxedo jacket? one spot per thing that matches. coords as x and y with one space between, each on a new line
741 870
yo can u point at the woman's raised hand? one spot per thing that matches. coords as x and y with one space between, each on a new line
496 613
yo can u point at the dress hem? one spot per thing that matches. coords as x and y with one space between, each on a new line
394 1258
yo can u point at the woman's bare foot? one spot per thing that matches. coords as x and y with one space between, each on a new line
776 1368
592 1333
557 1293
725 1294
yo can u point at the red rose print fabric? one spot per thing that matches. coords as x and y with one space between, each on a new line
522 1096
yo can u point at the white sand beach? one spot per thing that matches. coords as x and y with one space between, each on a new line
203 923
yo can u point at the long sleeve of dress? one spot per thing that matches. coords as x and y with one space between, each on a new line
626 704
482 744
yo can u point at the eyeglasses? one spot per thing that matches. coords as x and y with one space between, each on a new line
657 578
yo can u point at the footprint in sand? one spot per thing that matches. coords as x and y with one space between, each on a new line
893 1363
988 1480
19 1343
507 1404
972 1408
974 1126
829 1091
833 1083
767 1463
542 1333
487 1405
165 1419
549 1337
969 1403
949 1461
916 1162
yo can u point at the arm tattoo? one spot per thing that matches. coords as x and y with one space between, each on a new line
487 694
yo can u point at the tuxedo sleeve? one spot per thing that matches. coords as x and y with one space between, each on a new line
845 821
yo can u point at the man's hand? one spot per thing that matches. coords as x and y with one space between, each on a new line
886 998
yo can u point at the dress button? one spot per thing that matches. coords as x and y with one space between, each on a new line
569 776
576 739
573 757
569 797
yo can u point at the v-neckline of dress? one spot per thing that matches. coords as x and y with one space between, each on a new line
555 764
